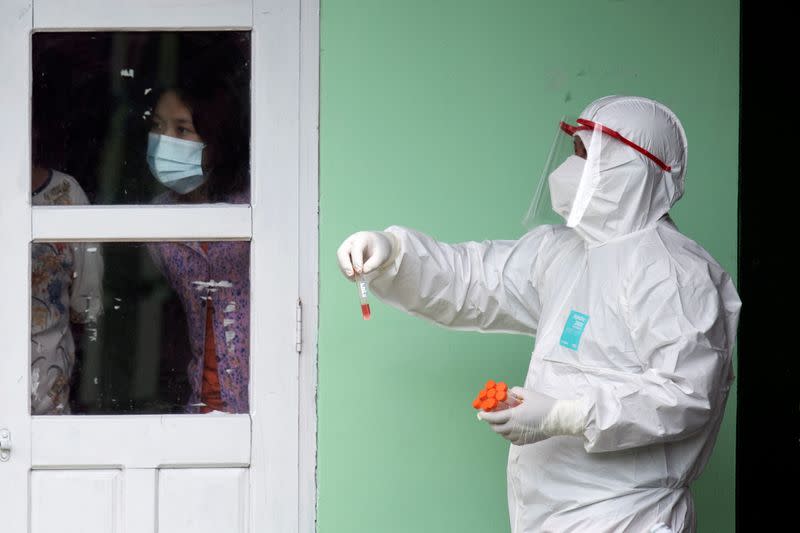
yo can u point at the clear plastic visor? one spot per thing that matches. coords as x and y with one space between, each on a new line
570 176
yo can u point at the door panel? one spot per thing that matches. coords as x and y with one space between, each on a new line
191 500
76 501
202 500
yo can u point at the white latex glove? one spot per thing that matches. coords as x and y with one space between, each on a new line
365 251
521 424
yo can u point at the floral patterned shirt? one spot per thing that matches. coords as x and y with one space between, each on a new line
66 286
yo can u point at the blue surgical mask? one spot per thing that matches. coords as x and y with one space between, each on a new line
177 163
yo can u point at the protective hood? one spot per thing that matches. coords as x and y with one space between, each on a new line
642 166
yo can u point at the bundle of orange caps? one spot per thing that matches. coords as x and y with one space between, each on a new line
494 394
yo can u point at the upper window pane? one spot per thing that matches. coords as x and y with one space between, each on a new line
143 117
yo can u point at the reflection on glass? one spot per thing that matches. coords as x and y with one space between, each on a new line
165 330
141 117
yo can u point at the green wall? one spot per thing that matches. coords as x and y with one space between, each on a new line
438 115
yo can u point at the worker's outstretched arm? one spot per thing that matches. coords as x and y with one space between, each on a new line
485 286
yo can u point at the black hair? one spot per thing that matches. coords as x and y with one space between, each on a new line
213 81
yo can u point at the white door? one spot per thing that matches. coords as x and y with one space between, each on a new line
252 470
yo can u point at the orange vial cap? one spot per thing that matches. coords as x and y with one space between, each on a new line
489 404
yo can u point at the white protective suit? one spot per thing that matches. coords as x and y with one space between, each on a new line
652 368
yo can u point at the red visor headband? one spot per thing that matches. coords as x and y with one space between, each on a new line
589 125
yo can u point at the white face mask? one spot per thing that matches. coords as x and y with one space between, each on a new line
563 182
176 163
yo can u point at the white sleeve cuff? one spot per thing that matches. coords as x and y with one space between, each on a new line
395 253
567 417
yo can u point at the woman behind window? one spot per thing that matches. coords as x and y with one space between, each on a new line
198 148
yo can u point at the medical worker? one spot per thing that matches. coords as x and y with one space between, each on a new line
634 324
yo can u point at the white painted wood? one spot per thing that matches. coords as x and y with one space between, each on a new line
140 493
144 14
138 223
210 500
75 501
308 247
140 441
15 25
275 283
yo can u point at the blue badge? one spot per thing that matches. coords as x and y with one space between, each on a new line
573 330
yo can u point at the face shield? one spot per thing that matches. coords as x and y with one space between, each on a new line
581 153
571 174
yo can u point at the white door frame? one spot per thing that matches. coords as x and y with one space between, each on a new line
15 213
282 225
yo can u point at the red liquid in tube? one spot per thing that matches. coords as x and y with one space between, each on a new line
362 294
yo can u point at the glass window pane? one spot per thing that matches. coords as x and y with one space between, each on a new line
158 327
143 117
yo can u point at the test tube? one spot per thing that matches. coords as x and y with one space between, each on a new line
362 295
506 400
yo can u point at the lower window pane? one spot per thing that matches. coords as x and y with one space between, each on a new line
158 327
